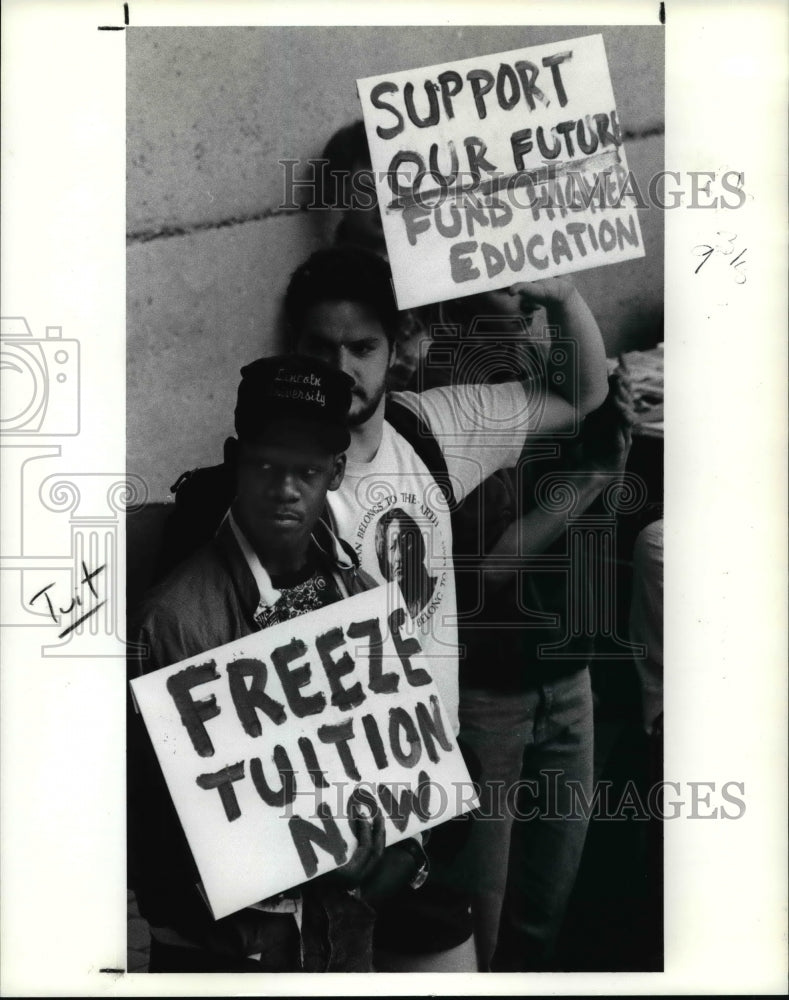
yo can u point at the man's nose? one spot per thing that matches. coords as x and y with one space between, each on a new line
285 488
345 362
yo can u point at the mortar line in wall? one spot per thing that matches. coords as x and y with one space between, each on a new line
644 133
165 232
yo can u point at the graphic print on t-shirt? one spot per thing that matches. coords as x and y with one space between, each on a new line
403 544
395 516
298 597
402 554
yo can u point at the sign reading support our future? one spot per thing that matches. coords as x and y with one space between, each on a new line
266 742
499 169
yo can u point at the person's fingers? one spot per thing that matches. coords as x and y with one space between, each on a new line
377 845
529 292
623 402
379 834
627 443
621 387
624 414
362 828
355 824
626 390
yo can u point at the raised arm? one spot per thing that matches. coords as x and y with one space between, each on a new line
602 457
584 385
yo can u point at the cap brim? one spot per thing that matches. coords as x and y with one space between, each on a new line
294 430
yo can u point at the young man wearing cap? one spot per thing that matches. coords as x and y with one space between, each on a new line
273 558
340 308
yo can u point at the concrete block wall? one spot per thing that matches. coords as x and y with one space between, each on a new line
211 112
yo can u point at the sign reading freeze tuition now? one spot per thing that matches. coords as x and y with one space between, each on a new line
265 743
498 169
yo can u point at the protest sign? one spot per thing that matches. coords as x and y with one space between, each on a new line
266 741
504 168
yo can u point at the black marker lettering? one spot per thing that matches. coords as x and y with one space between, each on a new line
406 648
399 719
375 99
340 734
431 727
287 789
223 782
380 682
195 713
327 837
248 699
400 809
295 678
445 79
555 62
344 698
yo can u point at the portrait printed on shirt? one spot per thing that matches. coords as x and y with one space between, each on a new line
402 557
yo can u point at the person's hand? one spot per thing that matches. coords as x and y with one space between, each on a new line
545 292
370 842
395 870
620 387
608 432
621 400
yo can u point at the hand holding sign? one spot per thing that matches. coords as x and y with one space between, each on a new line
545 292
285 741
370 836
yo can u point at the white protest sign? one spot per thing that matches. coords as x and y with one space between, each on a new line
264 743
503 168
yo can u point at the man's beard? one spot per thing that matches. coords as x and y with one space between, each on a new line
368 408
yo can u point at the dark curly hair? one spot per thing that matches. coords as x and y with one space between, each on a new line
341 274
347 149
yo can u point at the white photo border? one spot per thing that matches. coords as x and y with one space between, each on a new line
63 915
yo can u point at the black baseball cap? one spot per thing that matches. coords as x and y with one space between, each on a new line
289 393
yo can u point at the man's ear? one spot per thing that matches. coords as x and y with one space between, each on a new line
230 454
337 472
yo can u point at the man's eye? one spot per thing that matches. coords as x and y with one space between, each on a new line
362 350
315 348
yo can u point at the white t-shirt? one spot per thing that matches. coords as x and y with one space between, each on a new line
395 502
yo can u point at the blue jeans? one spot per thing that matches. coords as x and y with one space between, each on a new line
524 851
